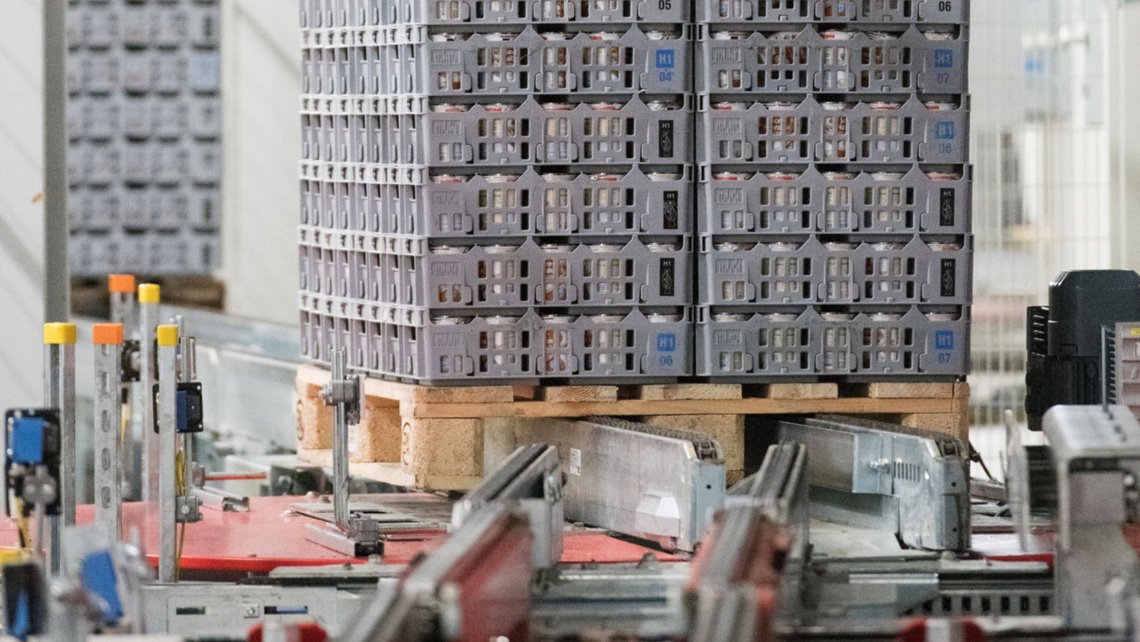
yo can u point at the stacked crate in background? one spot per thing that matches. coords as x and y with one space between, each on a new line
834 232
144 121
498 189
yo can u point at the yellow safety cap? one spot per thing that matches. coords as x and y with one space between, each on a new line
106 334
167 336
121 283
149 293
59 333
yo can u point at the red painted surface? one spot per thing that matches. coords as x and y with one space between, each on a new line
270 535
493 582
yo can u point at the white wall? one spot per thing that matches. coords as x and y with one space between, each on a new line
21 209
261 84
1124 128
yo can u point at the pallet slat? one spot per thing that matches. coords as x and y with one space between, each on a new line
433 438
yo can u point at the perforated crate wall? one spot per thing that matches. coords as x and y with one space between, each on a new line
145 130
807 343
731 62
870 12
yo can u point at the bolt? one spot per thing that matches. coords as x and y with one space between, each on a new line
251 610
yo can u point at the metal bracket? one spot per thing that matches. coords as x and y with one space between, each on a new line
362 539
220 500
187 509
131 361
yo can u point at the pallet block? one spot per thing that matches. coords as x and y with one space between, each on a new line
435 438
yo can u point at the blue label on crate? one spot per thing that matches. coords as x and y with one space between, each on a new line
944 130
666 59
945 340
943 58
667 342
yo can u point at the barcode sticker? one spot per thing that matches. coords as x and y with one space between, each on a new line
575 462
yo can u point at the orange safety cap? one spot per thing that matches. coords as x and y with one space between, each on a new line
121 283
107 333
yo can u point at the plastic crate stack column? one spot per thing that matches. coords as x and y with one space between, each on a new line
834 228
498 190
145 125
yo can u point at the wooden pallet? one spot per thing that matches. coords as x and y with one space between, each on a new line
437 438
89 296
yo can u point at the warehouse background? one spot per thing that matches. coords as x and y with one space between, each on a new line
1056 152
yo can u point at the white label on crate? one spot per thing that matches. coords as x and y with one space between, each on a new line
352 430
575 462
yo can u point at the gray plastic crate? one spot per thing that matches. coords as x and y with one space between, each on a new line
530 133
883 274
878 133
626 346
508 205
748 344
732 62
866 345
833 11
488 13
784 274
144 120
869 203
527 62
93 210
496 277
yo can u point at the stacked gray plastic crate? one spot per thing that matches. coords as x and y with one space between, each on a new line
834 227
498 189
144 120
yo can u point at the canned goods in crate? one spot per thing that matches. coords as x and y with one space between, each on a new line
556 344
935 105
731 176
448 179
887 176
734 247
939 36
944 176
447 249
663 177
836 34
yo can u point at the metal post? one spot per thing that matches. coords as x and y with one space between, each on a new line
167 336
340 446
59 393
149 295
57 277
122 291
187 371
108 339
